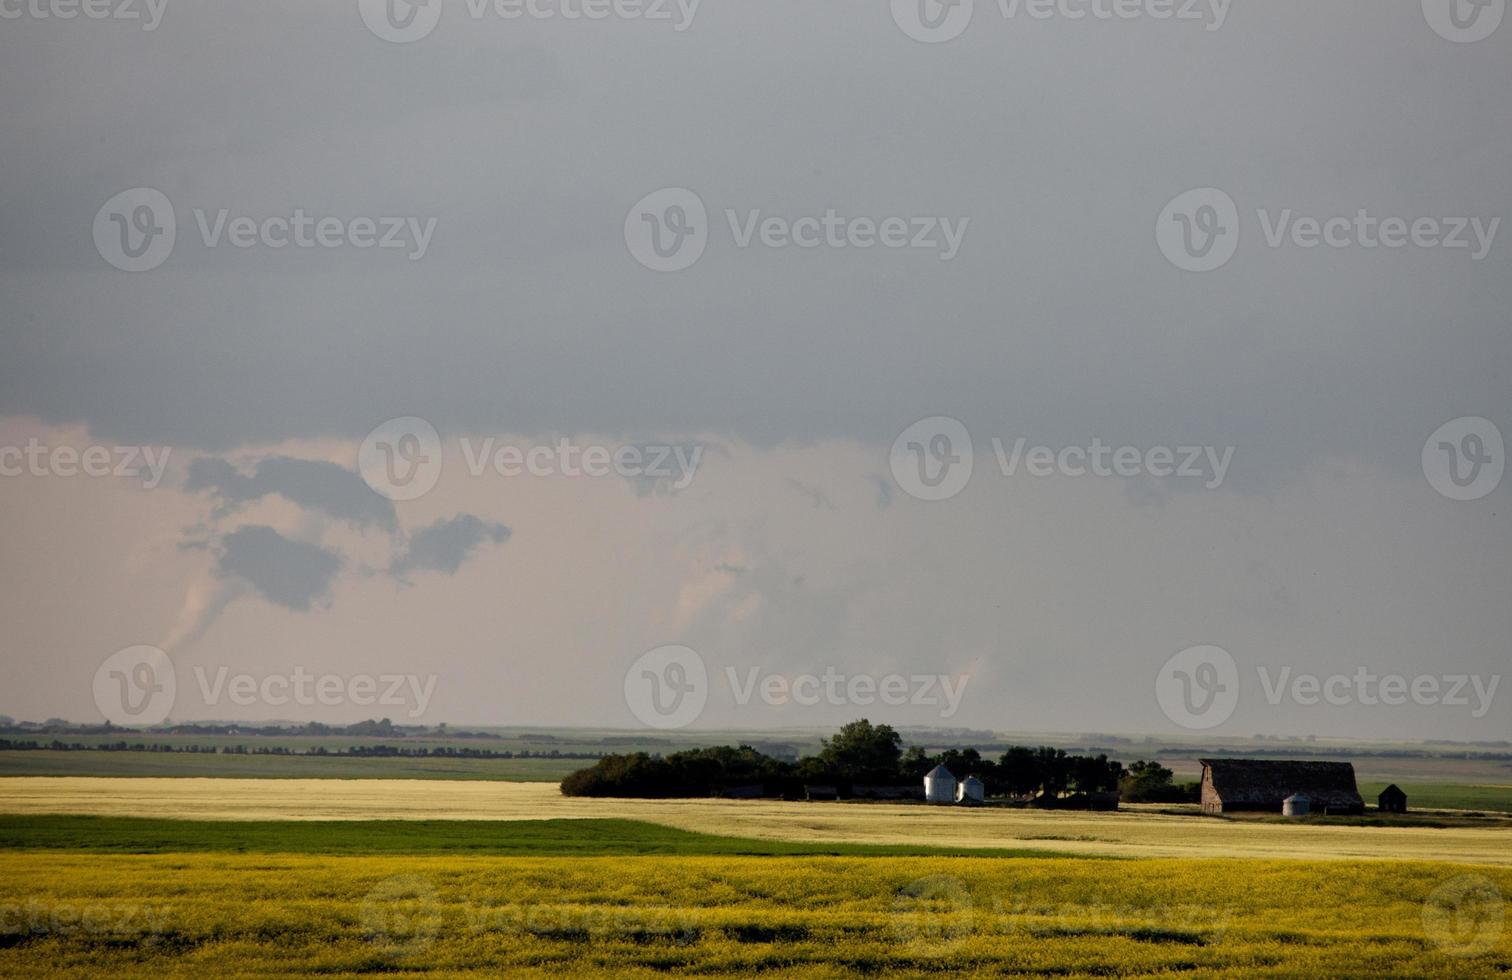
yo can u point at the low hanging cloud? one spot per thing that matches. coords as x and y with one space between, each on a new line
332 490
295 574
445 545
288 573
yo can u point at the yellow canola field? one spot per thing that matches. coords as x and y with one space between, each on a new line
226 915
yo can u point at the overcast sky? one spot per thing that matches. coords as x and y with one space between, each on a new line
521 309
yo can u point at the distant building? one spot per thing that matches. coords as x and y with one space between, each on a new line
865 792
939 786
971 790
1392 800
1296 805
1262 786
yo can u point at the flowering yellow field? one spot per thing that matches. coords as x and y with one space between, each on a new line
81 915
1134 832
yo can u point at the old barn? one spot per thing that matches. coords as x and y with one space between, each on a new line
1262 786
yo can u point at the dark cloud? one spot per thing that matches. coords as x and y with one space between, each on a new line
288 573
445 545
312 484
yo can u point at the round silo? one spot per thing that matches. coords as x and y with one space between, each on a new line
971 790
1296 805
939 786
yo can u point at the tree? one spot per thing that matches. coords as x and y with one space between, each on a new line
1018 771
863 751
1054 770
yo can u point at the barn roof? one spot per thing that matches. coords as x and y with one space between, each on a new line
1266 781
1394 790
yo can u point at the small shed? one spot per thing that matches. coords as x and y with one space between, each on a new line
939 786
1296 805
1392 800
971 790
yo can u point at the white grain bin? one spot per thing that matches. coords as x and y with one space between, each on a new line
939 786
1296 805
971 790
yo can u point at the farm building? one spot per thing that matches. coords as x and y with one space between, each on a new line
864 792
939 786
971 790
1262 786
1392 800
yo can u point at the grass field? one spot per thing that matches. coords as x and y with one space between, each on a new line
1133 832
537 838
112 764
70 914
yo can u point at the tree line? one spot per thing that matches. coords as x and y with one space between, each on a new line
865 755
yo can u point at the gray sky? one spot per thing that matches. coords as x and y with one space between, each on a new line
527 141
